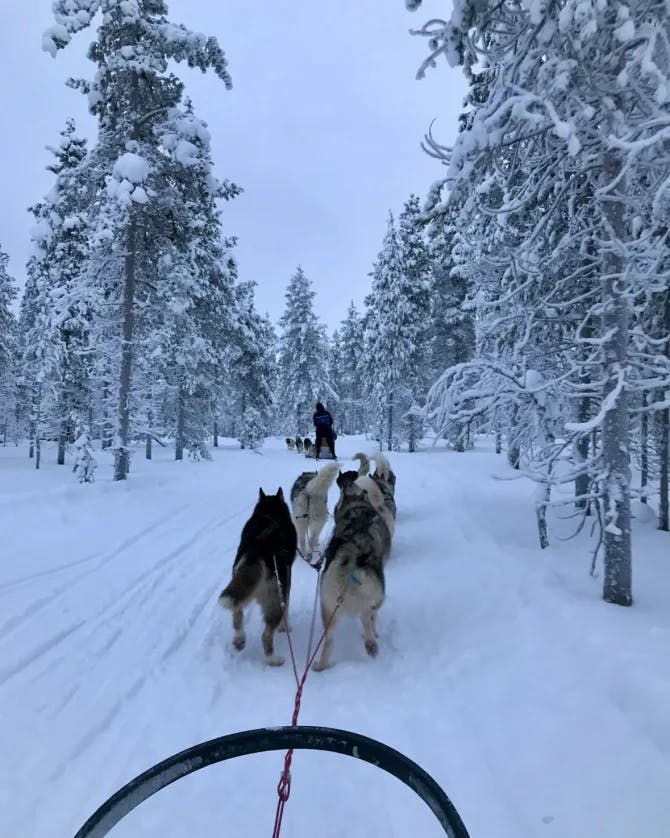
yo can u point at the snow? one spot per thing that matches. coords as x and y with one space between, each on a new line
132 167
540 709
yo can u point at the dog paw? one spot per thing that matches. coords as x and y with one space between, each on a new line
274 660
372 648
320 666
239 643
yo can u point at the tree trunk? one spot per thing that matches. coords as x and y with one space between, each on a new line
664 478
179 438
148 450
617 586
38 419
215 440
513 452
107 431
63 430
644 454
390 421
498 441
543 499
664 505
583 479
122 454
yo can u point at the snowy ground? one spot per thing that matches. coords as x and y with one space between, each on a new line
540 710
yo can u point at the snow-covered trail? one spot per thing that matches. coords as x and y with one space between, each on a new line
540 710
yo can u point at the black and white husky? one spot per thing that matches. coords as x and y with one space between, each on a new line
262 570
309 502
353 576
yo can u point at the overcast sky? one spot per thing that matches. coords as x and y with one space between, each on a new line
322 129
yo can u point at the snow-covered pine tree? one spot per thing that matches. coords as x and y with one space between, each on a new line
351 366
196 295
132 95
397 328
8 349
253 369
334 362
61 239
302 359
577 108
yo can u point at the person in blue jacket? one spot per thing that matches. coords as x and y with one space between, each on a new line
323 422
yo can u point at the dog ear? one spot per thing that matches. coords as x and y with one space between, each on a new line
261 494
280 493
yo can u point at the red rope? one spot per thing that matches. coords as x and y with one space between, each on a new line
284 785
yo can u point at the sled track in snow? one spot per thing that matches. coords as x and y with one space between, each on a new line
140 588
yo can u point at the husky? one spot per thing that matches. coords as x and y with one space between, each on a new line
383 470
353 576
309 447
309 502
298 444
374 493
290 443
262 570
385 480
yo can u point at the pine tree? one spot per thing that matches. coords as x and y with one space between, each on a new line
397 326
562 168
351 367
8 348
61 237
133 95
253 369
302 361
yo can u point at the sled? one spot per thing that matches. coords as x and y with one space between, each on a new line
274 739
324 453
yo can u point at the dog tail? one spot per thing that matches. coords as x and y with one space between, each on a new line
242 587
364 462
383 466
320 484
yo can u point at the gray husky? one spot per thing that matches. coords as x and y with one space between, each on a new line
309 502
376 489
353 575
262 570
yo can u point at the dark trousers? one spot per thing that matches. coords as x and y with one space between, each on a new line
327 434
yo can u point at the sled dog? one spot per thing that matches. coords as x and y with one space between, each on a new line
354 568
385 480
290 443
262 570
309 447
309 502
298 444
374 493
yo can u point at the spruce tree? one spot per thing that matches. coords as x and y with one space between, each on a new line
302 359
133 95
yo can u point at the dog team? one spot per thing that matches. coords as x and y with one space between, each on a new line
352 579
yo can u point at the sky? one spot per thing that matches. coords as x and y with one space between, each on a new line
322 130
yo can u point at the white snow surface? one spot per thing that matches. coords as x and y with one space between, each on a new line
541 710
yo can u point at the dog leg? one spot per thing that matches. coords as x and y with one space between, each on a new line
239 637
368 619
373 620
329 619
301 526
284 625
273 614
